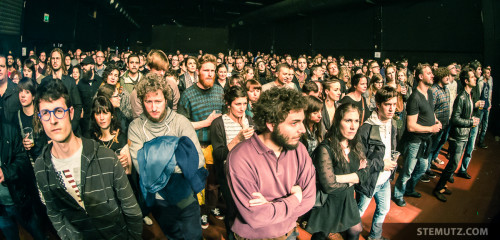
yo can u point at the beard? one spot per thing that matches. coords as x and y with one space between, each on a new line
206 83
282 140
87 75
153 119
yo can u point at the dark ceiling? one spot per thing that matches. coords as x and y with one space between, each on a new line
200 13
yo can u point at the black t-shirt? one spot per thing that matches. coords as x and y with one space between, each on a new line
40 138
120 142
417 104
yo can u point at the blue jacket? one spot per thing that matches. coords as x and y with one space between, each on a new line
157 160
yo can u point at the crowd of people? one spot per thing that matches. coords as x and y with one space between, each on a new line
93 142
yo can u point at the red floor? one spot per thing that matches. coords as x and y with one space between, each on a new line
473 201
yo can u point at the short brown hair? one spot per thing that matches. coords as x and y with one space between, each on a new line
152 82
207 58
441 73
158 60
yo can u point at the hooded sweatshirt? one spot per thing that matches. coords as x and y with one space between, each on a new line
385 135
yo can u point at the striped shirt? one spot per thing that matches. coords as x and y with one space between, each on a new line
197 104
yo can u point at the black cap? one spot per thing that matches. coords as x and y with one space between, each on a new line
87 60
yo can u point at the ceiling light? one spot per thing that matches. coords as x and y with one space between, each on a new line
116 6
233 13
111 2
254 3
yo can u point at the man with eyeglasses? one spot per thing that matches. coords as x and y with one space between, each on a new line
99 63
57 71
82 183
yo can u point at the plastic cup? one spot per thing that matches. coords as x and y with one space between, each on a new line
118 151
395 155
28 131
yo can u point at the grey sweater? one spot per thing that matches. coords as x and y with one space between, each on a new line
142 130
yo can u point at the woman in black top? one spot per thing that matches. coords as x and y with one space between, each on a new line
340 163
312 123
355 94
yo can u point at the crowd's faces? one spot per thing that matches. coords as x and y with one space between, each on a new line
390 74
175 61
207 75
387 62
75 74
42 57
10 61
99 58
289 60
67 61
364 69
318 72
253 94
349 124
427 77
103 119
27 72
315 117
239 64
191 65
445 80
141 61
435 66
282 75
113 77
115 98
378 84
15 78
26 98
375 68
238 107
287 134
230 60
453 70
387 109
58 130
222 74
402 76
291 73
487 74
83 56
472 82
55 61
249 74
32 53
133 65
261 66
356 63
362 85
154 105
478 72
329 59
219 61
302 64
3 70
334 92
273 64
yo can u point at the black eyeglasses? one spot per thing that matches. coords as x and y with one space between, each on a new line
58 113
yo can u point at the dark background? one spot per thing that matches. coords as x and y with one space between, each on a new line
422 31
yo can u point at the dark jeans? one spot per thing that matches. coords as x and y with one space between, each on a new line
438 140
456 149
8 217
178 223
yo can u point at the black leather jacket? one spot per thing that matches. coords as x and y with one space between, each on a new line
461 117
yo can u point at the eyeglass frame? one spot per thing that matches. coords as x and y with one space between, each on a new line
53 112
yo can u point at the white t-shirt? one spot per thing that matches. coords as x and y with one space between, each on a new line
385 135
68 172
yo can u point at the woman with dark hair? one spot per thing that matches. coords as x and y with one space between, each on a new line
227 131
111 76
67 61
355 96
221 76
29 70
247 73
105 129
262 74
340 164
19 65
332 92
312 123
112 94
76 73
